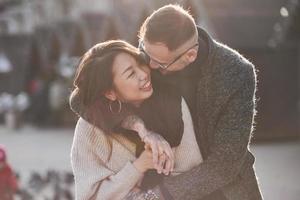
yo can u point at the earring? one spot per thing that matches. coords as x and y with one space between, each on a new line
119 105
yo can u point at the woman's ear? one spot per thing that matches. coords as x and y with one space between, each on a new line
111 95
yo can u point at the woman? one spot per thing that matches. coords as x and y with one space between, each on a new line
109 162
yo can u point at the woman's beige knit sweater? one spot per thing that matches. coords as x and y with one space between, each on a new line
102 163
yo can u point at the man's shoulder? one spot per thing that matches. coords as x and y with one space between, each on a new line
229 63
229 70
222 57
231 57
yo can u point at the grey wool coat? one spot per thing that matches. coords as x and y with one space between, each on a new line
226 101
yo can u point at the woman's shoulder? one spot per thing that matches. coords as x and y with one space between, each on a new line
85 132
90 139
85 126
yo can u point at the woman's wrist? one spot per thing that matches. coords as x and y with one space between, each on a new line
139 166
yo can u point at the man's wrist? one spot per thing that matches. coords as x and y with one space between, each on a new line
134 123
165 193
141 130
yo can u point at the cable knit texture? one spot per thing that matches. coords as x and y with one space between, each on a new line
102 163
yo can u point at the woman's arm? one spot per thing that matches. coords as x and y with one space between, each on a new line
89 158
129 121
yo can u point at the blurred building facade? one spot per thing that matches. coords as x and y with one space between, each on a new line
267 33
42 39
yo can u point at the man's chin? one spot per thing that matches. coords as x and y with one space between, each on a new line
164 72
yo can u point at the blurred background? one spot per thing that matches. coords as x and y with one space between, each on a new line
41 42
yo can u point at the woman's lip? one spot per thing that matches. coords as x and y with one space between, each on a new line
147 86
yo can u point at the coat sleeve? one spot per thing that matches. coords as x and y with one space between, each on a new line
93 178
229 149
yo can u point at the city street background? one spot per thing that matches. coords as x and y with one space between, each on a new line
41 42
31 149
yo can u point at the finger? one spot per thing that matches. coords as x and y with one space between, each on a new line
171 157
168 150
161 163
154 154
167 167
171 161
161 148
172 164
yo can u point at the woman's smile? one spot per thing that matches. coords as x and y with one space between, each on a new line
147 86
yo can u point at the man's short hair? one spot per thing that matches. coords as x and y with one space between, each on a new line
171 25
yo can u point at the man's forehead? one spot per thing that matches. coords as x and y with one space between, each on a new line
158 51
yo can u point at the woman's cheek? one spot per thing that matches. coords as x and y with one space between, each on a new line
130 91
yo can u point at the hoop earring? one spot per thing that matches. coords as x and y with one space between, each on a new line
111 109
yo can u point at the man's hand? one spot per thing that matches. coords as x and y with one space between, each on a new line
163 156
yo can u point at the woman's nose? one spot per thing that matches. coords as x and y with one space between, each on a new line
142 74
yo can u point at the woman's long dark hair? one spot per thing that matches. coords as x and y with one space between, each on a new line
93 78
94 73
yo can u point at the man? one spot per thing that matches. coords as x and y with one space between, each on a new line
219 87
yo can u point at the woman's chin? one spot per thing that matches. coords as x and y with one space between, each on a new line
144 97
149 93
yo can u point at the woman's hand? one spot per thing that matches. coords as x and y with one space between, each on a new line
162 154
144 162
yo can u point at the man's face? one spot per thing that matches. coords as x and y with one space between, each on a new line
163 59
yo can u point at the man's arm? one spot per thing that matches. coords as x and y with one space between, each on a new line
229 149
135 123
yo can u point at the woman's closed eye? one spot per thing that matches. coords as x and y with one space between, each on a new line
131 74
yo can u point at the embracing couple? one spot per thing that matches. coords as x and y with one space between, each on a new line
171 119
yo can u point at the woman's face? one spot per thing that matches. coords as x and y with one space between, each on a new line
132 81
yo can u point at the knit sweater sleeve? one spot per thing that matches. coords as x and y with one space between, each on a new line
93 178
229 149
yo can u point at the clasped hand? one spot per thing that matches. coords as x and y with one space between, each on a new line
157 155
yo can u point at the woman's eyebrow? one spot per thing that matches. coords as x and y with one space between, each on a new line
127 69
